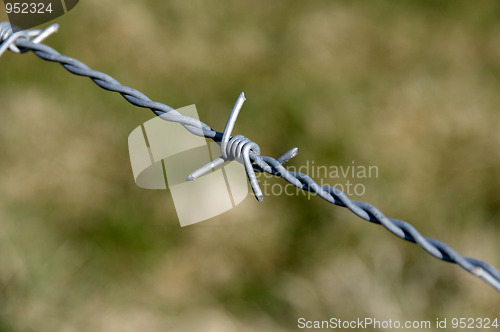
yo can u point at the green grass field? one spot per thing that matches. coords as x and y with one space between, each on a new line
410 87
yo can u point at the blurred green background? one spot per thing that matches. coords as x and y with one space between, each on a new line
408 86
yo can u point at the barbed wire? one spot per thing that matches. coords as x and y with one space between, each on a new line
244 151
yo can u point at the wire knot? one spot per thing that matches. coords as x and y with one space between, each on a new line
234 148
8 36
238 147
241 149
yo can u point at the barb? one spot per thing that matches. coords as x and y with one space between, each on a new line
236 148
242 149
9 37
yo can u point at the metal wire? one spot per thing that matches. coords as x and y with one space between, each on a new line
246 151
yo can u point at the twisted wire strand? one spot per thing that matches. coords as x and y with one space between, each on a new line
271 165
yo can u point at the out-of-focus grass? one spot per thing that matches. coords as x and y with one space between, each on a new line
411 87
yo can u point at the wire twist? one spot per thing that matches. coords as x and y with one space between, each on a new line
239 147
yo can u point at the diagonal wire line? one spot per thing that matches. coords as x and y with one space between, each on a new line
269 165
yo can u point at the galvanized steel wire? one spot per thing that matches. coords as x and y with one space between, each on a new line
245 151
